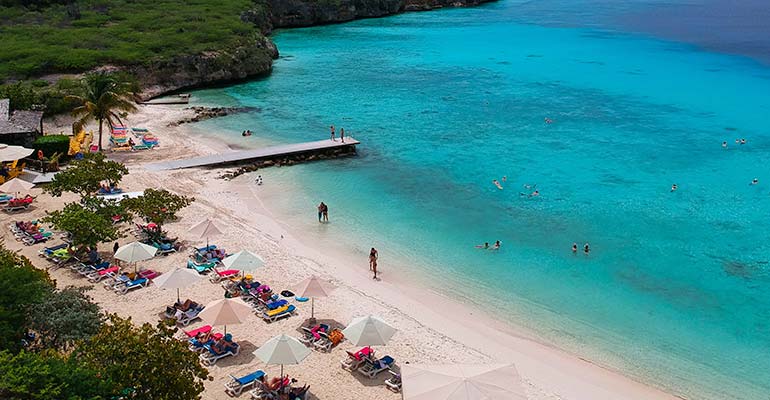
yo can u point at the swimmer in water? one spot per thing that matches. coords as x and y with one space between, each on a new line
505 178
499 186
724 145
743 141
483 246
754 181
586 249
574 247
548 120
674 187
737 141
496 246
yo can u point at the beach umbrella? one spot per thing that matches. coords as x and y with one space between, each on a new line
368 331
135 252
462 382
205 229
313 287
12 153
177 279
16 186
243 260
226 312
283 350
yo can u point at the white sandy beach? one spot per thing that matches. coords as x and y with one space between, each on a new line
431 328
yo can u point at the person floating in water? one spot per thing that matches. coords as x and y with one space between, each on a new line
505 178
754 181
246 133
674 187
548 120
574 248
743 141
499 186
483 246
586 249
496 246
724 145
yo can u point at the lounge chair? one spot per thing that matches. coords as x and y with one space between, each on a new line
236 386
164 248
394 382
98 276
48 252
278 313
195 332
219 276
37 238
209 357
18 204
149 274
4 198
136 283
201 268
186 317
371 367
355 360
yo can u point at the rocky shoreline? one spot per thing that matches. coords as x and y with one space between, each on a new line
204 113
256 59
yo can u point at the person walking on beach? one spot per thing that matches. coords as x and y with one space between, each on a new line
373 256
342 134
321 211
332 129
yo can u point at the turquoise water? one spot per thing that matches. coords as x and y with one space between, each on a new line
675 290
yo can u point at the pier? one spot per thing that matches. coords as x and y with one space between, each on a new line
301 151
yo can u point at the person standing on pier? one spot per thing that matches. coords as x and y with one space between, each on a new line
332 129
342 134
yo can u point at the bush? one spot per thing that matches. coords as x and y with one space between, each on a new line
52 144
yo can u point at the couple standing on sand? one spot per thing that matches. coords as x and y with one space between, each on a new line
323 212
342 134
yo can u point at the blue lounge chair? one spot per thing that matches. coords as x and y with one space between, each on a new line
370 369
136 283
237 385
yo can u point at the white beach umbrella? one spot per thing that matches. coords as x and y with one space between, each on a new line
177 279
226 312
462 382
205 229
368 331
283 350
11 153
16 186
313 287
243 260
135 252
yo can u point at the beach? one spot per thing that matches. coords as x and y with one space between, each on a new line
432 328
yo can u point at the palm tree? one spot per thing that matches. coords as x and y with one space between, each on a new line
103 96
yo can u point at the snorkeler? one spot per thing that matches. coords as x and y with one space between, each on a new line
674 187
754 181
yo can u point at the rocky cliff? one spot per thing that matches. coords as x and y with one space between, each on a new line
255 59
296 13
209 68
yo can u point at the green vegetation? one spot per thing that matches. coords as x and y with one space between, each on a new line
85 177
52 144
87 227
75 354
47 37
157 206
102 97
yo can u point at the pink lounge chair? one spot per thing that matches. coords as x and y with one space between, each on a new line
193 333
148 273
219 276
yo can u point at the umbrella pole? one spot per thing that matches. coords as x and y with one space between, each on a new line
312 308
225 329
281 377
177 296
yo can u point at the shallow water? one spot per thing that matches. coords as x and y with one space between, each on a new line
675 289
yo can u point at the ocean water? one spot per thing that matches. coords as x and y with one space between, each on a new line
676 289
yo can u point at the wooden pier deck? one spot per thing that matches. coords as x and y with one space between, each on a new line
243 156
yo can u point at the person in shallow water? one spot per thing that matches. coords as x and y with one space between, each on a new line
754 181
574 247
674 187
724 145
321 211
496 246
483 246
372 258
586 249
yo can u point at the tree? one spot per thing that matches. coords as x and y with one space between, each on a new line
85 177
49 375
86 226
65 317
21 285
103 96
157 206
146 359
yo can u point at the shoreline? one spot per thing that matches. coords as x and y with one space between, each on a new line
563 373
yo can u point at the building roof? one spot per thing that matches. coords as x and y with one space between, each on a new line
18 121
